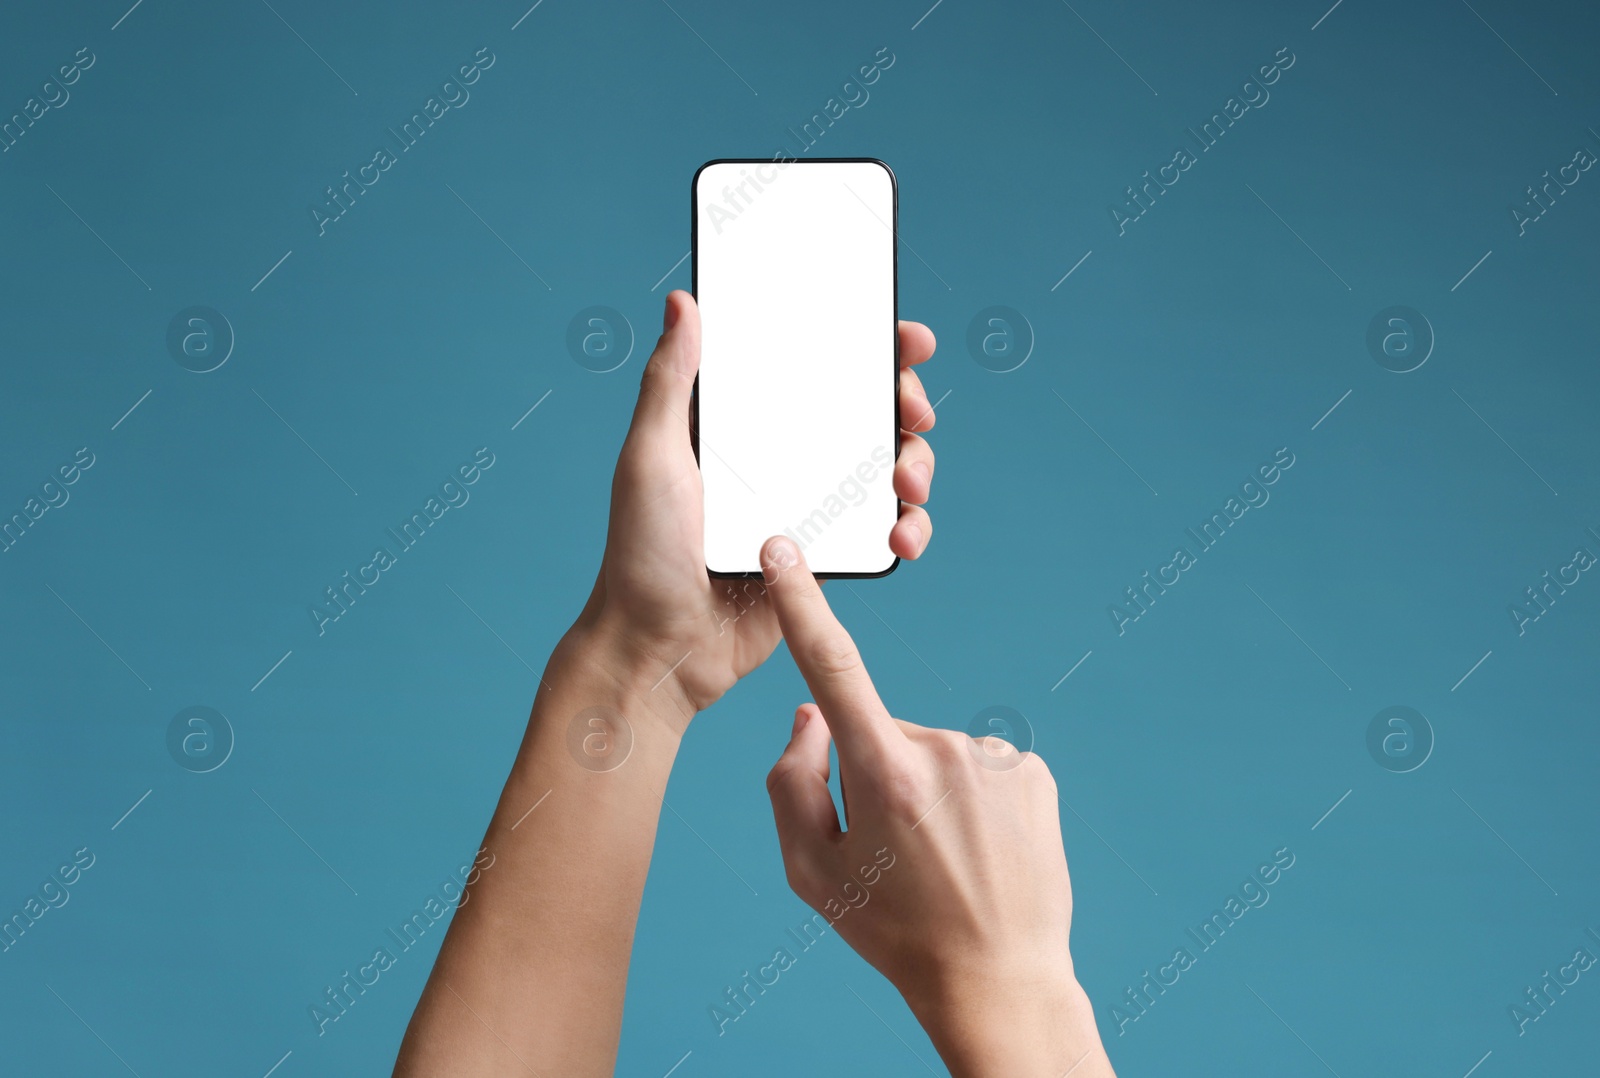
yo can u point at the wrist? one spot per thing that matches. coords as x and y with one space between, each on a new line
621 673
1012 1025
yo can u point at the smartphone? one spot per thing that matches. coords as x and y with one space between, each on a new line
796 408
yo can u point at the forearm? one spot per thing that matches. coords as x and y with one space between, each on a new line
533 970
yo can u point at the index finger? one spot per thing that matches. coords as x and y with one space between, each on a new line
826 655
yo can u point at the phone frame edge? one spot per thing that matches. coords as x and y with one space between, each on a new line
694 290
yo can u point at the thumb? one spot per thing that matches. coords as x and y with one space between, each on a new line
802 807
667 383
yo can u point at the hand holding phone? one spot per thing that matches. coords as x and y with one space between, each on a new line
653 590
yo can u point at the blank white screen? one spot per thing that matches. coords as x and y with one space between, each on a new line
795 282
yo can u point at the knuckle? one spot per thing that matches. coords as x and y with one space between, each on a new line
659 380
779 774
650 378
660 366
950 747
833 656
1034 766
904 790
804 869
994 751
796 873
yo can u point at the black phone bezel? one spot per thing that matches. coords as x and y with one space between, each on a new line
694 290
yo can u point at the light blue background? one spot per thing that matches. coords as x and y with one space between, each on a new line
1189 748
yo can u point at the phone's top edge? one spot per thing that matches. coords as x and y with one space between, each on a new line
796 161
894 181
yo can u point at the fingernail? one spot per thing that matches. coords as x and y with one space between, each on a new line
669 317
781 553
920 470
915 532
801 717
